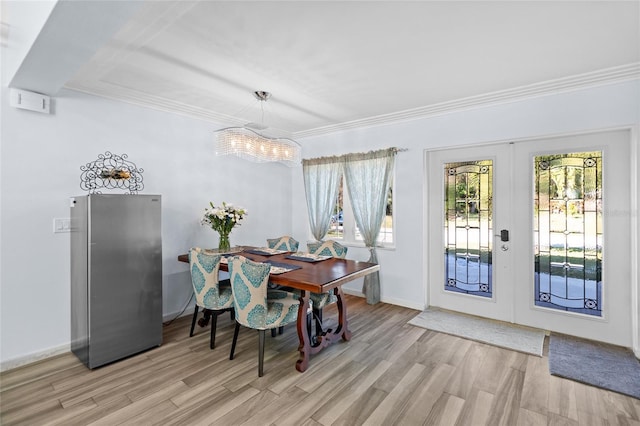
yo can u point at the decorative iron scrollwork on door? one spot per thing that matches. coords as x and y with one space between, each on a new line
111 171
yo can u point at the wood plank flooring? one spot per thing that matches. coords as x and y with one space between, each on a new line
410 376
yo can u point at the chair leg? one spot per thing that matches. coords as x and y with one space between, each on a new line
193 321
261 353
309 325
273 332
235 339
214 323
232 314
317 313
280 330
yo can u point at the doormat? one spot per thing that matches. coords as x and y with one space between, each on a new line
597 364
496 333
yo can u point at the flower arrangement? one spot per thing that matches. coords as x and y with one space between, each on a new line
223 219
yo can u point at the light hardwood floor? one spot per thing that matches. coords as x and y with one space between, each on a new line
389 373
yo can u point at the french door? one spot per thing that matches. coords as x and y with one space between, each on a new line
535 233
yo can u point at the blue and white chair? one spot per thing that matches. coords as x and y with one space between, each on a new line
256 306
286 243
328 248
210 294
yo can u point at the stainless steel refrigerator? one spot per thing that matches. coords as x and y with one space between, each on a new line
116 276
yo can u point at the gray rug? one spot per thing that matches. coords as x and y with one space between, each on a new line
597 364
497 333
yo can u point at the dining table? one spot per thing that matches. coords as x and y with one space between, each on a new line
308 274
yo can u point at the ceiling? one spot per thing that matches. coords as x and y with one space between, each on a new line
335 65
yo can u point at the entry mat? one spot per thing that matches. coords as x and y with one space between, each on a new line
597 364
496 333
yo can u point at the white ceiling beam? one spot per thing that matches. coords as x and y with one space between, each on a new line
69 38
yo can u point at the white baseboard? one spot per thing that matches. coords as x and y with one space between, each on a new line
391 301
352 292
175 315
404 303
10 364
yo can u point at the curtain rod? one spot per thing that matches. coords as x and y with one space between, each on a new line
339 158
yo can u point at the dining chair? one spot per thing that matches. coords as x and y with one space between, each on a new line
327 248
289 244
210 293
256 306
283 243
320 300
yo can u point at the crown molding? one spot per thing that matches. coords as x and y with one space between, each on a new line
565 84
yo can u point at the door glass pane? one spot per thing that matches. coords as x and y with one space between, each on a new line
568 232
468 191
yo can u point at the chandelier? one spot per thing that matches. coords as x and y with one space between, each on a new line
246 143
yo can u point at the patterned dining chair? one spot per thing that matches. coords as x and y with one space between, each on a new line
256 306
289 244
283 243
320 300
210 294
328 248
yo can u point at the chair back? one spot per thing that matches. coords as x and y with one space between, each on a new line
204 278
249 286
327 248
283 243
254 306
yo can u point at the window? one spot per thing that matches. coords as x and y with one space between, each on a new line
343 226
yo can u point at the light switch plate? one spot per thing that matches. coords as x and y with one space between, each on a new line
61 225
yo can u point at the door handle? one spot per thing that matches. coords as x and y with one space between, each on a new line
504 235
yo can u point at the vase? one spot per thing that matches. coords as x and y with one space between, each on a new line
224 245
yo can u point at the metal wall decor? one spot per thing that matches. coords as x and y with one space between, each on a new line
111 171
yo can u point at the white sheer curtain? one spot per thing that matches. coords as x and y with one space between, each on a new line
367 178
321 180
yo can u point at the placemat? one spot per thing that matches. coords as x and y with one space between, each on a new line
281 268
307 257
265 251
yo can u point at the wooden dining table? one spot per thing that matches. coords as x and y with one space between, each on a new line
312 277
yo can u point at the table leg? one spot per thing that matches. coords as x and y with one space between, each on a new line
327 337
206 316
303 334
343 322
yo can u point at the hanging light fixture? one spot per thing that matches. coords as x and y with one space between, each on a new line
247 143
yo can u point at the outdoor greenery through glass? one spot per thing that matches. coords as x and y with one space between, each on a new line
568 234
337 230
468 228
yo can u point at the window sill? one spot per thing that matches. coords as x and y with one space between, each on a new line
358 244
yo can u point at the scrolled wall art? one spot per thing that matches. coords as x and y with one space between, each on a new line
111 171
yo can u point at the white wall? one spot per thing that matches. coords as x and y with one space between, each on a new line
403 273
40 159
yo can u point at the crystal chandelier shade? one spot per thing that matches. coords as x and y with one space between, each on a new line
248 144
